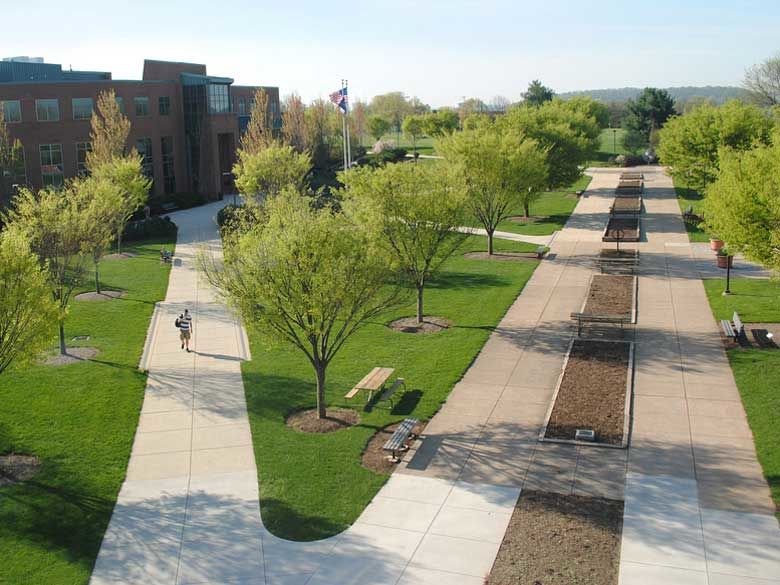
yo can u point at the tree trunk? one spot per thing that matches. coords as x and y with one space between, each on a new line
63 349
420 288
490 242
527 209
97 277
119 242
320 371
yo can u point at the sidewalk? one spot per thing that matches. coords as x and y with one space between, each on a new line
538 240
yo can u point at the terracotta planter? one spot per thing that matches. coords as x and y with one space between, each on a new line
725 261
715 244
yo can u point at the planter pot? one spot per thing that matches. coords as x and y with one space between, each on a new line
715 244
725 261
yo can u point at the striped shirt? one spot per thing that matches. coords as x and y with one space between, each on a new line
185 322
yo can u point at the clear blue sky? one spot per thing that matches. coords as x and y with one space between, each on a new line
437 50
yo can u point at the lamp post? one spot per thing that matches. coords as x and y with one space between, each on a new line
614 141
728 275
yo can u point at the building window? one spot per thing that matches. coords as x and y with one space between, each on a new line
12 111
169 178
141 106
164 105
51 164
242 105
144 148
82 148
47 110
121 103
82 108
219 99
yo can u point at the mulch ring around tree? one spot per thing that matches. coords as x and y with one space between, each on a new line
592 393
120 256
103 295
502 256
72 355
306 421
16 468
610 294
555 539
377 460
429 325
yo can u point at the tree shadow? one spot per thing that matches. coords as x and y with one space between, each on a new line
465 280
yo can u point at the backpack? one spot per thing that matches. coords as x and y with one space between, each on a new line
177 322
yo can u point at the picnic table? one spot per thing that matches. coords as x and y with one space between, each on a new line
372 382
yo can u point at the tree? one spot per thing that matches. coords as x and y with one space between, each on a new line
323 132
11 160
358 118
691 144
310 278
590 108
415 208
393 107
294 122
441 123
259 131
109 131
537 94
650 110
470 107
566 132
743 205
413 128
54 223
762 82
265 173
498 167
499 104
102 203
378 127
27 311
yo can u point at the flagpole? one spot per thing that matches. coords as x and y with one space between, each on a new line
346 116
344 132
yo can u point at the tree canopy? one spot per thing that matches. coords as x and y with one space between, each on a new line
762 82
537 94
266 172
378 127
649 111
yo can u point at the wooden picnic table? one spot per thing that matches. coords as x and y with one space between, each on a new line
372 382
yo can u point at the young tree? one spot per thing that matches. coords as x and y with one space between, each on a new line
470 107
265 173
651 110
109 131
11 158
393 107
500 104
498 168
762 82
378 127
54 223
441 123
102 202
413 128
358 118
691 144
259 131
294 122
27 312
537 94
415 208
743 205
310 278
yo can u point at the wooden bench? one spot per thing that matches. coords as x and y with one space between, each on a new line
733 329
387 395
397 442
540 252
372 382
591 318
689 216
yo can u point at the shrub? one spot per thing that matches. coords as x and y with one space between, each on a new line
148 228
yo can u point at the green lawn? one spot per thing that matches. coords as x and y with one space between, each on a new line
688 197
551 211
757 371
425 145
611 146
80 420
313 486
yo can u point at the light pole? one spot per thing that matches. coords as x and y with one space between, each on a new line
614 141
728 275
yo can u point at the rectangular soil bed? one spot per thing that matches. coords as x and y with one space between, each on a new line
626 205
594 392
613 295
555 539
625 229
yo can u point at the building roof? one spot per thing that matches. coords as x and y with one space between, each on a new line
21 71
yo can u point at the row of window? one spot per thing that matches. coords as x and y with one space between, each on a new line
48 110
53 174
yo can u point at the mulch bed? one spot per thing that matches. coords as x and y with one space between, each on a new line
502 256
612 253
104 295
120 256
553 539
592 393
306 421
610 294
429 325
73 355
16 468
627 205
629 227
374 458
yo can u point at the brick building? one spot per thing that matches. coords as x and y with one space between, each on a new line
185 123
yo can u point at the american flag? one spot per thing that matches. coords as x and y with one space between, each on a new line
340 99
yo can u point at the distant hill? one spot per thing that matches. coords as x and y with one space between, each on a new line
717 93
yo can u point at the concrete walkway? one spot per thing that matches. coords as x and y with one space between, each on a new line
538 240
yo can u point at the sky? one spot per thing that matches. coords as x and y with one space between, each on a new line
439 51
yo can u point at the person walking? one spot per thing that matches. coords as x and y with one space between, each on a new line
184 323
